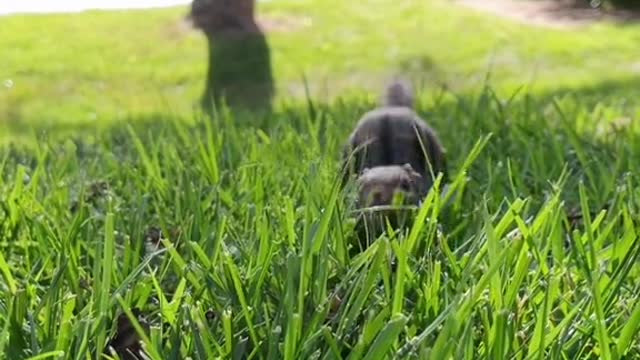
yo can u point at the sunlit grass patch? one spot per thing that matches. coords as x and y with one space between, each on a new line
532 253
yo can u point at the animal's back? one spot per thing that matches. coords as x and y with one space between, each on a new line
389 136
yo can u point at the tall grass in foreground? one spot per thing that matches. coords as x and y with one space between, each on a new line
534 257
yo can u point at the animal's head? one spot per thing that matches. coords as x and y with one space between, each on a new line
390 185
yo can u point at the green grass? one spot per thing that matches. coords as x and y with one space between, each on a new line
533 257
263 240
99 67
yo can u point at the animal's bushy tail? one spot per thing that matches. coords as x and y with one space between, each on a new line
398 93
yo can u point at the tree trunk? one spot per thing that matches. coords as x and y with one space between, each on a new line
239 70
221 17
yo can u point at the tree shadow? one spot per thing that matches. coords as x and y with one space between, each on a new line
536 140
239 58
587 137
621 91
239 73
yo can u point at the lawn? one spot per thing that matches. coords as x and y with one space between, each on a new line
99 67
534 255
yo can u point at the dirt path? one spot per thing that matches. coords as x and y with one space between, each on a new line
549 13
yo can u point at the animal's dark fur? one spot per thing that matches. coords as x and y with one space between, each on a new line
378 188
394 134
399 93
126 342
391 150
378 185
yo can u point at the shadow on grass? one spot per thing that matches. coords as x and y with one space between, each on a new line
239 65
536 142
541 144
239 72
610 91
587 134
617 96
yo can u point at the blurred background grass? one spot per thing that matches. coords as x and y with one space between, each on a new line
96 67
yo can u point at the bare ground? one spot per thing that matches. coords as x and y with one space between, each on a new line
550 13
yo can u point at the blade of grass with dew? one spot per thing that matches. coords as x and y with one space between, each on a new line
139 330
427 205
456 187
239 289
369 332
499 338
49 306
289 304
629 331
366 286
200 254
209 154
83 331
398 294
70 249
6 327
464 308
382 345
6 274
262 260
180 265
15 195
290 222
105 268
201 337
168 309
66 323
537 344
355 281
574 140
521 271
135 273
228 331
495 285
334 350
625 265
498 230
562 325
432 289
47 355
311 344
600 323
442 345
147 161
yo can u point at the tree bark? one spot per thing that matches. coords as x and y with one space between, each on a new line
224 16
239 69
